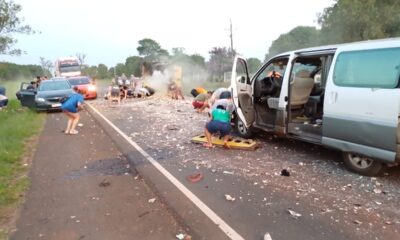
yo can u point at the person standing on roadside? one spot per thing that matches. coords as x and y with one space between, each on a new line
70 108
38 80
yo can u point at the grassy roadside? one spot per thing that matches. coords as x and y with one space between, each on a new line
17 126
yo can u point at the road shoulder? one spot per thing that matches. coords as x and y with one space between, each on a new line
83 187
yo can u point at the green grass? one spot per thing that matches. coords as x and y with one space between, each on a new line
17 125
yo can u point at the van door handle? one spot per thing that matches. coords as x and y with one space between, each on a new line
243 90
333 97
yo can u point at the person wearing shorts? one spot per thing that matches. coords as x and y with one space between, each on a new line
70 108
220 123
200 100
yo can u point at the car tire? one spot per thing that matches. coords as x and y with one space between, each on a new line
363 165
241 128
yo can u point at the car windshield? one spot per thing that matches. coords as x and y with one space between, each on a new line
53 85
79 81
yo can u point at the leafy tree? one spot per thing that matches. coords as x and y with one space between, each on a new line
354 20
102 71
11 71
10 24
120 69
344 21
299 37
151 50
111 72
221 60
198 60
253 64
179 56
132 65
178 51
89 71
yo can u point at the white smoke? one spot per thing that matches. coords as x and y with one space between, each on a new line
159 81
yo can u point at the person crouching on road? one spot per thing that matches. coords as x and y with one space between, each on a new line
220 122
197 91
200 100
70 108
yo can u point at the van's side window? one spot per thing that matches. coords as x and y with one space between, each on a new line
378 68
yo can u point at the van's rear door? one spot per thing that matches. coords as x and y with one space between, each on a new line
242 93
362 99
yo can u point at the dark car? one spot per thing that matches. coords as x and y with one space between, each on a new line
85 86
47 96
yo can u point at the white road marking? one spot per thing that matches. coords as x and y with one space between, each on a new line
230 232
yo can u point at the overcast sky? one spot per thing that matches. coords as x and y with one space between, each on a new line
108 31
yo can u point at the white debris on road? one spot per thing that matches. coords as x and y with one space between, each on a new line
229 198
294 214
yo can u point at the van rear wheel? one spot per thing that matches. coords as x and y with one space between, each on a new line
362 165
241 128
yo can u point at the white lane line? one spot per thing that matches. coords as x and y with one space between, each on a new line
230 232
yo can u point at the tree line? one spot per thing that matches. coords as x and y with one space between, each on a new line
149 50
344 21
10 71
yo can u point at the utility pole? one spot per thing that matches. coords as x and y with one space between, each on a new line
231 34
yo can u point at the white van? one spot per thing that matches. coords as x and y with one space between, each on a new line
345 97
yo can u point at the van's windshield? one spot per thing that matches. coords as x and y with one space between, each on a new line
278 66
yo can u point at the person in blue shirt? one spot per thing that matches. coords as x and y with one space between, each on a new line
70 108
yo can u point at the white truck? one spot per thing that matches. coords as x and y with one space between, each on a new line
67 67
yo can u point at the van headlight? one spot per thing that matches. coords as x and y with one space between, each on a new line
92 88
40 99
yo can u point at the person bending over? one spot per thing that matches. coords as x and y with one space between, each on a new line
70 108
200 100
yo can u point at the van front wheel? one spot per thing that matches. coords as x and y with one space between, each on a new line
241 128
362 165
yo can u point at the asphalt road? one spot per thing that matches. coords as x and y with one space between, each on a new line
82 187
319 200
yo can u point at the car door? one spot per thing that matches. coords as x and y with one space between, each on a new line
361 106
242 91
27 96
